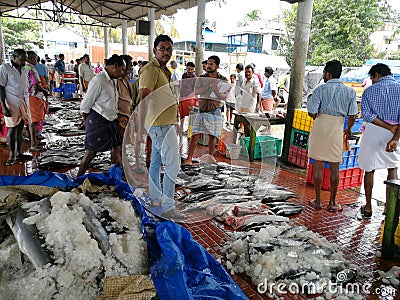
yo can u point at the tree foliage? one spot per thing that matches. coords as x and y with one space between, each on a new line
254 15
21 33
339 30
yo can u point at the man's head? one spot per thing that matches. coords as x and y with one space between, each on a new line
61 56
378 71
204 65
43 62
128 63
32 57
86 59
213 64
239 67
249 71
115 66
267 71
333 69
163 49
190 66
232 78
174 64
19 57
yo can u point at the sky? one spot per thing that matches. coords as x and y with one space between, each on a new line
233 11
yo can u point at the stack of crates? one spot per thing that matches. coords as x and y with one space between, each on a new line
266 146
301 127
68 90
350 175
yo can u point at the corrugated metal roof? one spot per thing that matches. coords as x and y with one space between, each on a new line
110 12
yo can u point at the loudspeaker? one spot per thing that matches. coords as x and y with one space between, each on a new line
143 27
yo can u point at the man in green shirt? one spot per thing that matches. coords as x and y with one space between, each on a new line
158 114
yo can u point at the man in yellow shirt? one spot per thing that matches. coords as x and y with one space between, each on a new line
158 114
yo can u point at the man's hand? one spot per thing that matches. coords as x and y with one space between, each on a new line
391 146
6 111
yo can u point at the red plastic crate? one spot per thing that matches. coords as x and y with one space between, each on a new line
298 156
66 75
347 178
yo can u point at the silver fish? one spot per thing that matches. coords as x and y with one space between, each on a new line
97 231
27 238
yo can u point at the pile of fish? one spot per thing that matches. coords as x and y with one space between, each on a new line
70 242
68 152
290 259
221 189
65 120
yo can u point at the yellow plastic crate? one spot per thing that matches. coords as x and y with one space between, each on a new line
302 121
396 234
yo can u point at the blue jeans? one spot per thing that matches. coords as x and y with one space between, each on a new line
164 150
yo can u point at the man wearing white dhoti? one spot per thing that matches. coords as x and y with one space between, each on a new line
380 108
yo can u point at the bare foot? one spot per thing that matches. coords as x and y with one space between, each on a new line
314 204
187 162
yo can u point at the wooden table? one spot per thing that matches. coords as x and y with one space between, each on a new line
255 122
391 218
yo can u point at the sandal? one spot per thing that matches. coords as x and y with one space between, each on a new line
10 162
365 214
335 208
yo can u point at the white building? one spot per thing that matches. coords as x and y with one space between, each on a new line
385 40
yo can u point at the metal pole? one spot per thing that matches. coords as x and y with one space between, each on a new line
2 48
201 15
300 48
124 37
151 13
106 42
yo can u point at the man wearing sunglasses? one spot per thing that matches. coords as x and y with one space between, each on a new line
158 114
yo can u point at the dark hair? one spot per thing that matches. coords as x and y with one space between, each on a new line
127 58
381 69
334 67
115 59
60 55
31 54
85 55
251 67
134 63
215 59
19 52
240 67
232 75
43 61
268 70
190 64
204 62
162 38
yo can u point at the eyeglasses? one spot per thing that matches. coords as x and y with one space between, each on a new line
163 49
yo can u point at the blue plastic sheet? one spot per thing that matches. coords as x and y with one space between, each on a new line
180 267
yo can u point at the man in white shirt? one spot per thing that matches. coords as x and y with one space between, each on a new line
14 100
176 77
86 73
100 114
250 91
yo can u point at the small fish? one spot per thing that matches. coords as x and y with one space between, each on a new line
293 274
286 242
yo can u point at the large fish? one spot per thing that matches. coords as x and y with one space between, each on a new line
27 238
94 227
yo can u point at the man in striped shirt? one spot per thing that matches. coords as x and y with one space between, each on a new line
328 106
380 108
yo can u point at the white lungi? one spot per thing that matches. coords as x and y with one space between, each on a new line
372 149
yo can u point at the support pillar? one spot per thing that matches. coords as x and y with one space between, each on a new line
124 37
201 16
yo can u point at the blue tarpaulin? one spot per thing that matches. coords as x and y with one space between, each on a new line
180 267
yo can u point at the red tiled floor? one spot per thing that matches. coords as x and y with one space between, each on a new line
358 239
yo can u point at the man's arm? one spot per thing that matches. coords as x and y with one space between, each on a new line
378 122
142 112
5 110
391 146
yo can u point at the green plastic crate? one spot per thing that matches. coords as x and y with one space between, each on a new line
265 146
